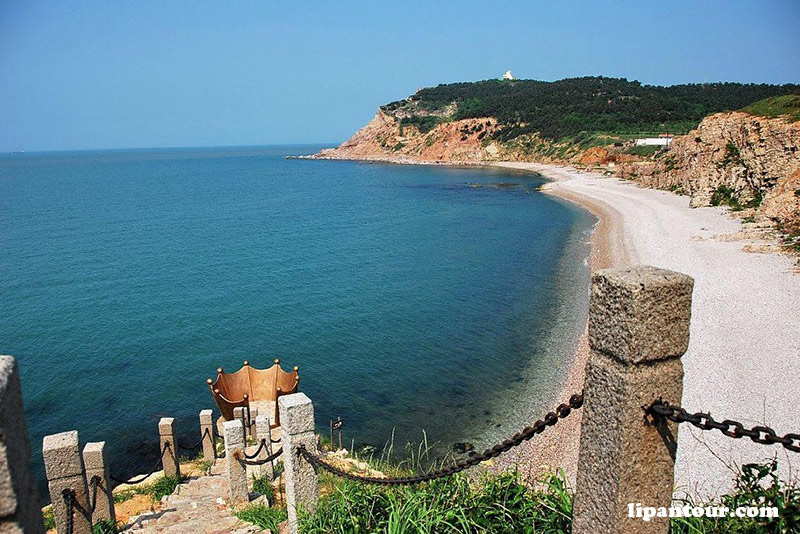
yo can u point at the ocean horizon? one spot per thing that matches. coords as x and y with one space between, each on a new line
414 298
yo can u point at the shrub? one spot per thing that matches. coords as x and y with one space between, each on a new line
724 196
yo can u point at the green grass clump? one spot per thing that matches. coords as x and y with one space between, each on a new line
756 485
49 518
265 517
495 503
263 485
777 106
105 526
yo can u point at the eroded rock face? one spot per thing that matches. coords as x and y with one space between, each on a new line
756 158
386 137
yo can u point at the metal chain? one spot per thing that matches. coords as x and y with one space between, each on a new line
93 483
194 445
563 410
148 475
733 429
261 445
69 501
249 461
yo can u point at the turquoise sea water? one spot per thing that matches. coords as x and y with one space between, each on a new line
435 298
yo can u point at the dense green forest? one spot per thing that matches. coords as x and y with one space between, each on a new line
592 104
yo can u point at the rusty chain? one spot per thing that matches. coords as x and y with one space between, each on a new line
148 475
563 410
195 445
248 460
93 484
733 429
69 503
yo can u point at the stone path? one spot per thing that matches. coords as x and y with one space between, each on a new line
196 507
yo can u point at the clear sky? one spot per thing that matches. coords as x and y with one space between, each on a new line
111 74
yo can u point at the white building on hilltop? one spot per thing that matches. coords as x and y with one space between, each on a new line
508 76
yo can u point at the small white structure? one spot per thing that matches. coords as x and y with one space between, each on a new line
661 140
508 76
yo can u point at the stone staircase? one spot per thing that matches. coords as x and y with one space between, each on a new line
199 506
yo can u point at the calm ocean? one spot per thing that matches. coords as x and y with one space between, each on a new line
439 298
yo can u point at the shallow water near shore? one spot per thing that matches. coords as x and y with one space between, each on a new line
412 297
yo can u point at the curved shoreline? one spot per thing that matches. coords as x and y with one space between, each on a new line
558 447
742 361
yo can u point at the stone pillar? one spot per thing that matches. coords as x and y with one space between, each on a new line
638 331
166 437
297 428
19 502
207 435
95 461
239 413
263 432
234 453
63 465
251 430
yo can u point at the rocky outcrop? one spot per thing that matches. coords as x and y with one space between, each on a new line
744 160
387 137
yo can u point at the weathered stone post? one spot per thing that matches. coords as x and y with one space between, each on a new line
166 438
234 453
638 331
251 430
19 503
207 435
96 462
297 428
63 465
263 432
239 413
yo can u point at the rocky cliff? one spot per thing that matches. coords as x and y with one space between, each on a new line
385 137
746 161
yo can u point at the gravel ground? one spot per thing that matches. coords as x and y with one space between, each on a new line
743 360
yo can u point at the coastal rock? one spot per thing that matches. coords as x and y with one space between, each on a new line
754 159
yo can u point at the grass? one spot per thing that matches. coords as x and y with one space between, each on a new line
756 485
49 518
157 489
105 526
263 485
494 503
778 106
266 517
643 151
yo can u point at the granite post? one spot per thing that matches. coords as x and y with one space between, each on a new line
169 456
638 331
19 504
63 466
207 435
240 413
95 461
297 428
263 433
234 454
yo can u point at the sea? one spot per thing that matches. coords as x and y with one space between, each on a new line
423 304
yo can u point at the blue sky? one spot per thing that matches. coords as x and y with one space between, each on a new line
99 74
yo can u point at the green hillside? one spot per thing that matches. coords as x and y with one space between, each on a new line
567 107
777 106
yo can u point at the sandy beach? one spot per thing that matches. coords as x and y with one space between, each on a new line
743 360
